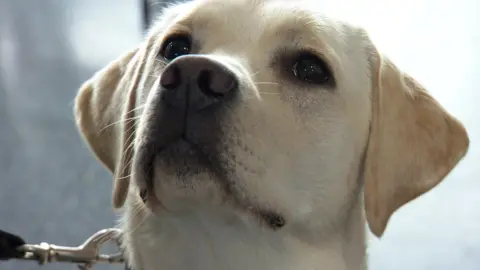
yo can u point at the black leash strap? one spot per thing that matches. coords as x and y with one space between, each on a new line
9 244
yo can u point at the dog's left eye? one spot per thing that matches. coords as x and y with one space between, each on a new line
176 46
311 69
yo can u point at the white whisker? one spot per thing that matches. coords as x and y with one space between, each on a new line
120 121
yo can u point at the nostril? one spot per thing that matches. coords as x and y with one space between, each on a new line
170 77
205 81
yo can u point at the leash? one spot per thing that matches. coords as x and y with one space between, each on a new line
85 255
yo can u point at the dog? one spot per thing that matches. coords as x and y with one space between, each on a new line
250 134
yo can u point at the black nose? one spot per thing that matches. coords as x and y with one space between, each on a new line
195 82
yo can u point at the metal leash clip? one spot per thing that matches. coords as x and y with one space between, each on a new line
85 255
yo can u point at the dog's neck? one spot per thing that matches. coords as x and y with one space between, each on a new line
211 239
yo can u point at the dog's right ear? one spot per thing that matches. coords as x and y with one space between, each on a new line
104 112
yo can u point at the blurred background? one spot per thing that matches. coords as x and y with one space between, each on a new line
52 189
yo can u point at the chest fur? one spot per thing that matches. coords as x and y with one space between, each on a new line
214 240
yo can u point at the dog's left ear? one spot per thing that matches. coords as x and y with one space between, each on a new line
104 112
414 142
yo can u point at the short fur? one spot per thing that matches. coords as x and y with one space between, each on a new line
324 158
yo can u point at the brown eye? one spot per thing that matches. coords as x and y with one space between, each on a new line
311 69
176 46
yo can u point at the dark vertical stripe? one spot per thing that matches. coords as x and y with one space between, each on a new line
146 14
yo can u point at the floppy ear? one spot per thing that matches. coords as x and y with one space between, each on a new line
104 111
414 143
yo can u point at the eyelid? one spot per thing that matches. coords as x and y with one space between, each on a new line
176 34
323 56
177 30
289 55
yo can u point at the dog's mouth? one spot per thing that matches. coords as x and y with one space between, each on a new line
183 157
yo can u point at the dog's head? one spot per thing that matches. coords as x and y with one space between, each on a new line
268 107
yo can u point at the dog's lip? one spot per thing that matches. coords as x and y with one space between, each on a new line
147 153
272 219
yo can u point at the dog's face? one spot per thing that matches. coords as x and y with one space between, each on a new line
257 113
268 108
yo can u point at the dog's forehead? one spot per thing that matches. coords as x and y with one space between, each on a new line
260 21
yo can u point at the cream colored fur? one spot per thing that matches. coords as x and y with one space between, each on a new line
326 159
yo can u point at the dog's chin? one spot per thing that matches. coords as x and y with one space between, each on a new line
183 174
185 177
182 159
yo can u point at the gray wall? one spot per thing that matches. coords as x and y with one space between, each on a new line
51 188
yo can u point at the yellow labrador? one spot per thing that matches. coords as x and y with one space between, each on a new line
250 134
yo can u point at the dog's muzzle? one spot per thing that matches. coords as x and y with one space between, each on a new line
187 112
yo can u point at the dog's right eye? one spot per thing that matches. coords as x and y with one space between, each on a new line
176 46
